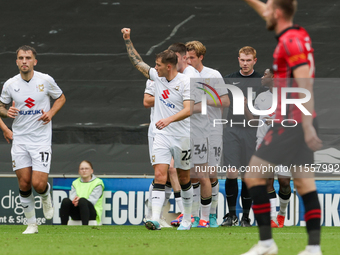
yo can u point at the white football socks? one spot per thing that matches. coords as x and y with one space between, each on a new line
168 191
148 214
196 199
179 203
158 198
29 209
187 196
272 208
205 211
44 196
214 198
283 206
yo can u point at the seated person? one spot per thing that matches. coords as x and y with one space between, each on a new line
86 197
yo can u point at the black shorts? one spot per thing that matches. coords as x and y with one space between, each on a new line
238 146
286 146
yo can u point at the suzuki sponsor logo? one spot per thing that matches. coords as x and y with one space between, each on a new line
167 104
165 94
33 112
29 102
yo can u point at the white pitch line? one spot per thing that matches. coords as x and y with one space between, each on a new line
171 35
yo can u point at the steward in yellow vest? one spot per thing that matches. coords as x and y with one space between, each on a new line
86 197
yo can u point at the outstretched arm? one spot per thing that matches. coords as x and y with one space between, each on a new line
135 58
258 6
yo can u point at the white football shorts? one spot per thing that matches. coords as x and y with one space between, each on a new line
283 171
36 156
165 147
200 150
215 143
150 143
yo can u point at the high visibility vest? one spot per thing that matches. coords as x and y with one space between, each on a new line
84 189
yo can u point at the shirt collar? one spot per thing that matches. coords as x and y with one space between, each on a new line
287 29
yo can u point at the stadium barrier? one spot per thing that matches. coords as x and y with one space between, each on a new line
124 202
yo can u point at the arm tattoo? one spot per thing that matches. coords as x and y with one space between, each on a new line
144 69
3 111
136 59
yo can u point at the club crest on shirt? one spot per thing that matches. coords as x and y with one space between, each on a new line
177 88
41 88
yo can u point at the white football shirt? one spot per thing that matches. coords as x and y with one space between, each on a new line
199 124
169 97
263 102
150 89
213 78
31 98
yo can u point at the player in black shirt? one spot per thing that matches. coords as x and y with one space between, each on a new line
239 139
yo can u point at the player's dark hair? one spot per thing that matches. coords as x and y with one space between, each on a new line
27 48
289 7
168 57
88 162
179 48
271 70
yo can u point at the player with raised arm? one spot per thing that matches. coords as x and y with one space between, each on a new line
214 81
172 108
30 93
293 57
182 67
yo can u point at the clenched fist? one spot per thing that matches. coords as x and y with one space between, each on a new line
126 33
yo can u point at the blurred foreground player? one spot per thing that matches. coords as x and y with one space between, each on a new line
293 57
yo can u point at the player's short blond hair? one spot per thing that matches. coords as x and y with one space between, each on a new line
196 46
247 50
288 7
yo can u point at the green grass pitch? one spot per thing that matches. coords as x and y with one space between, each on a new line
138 240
